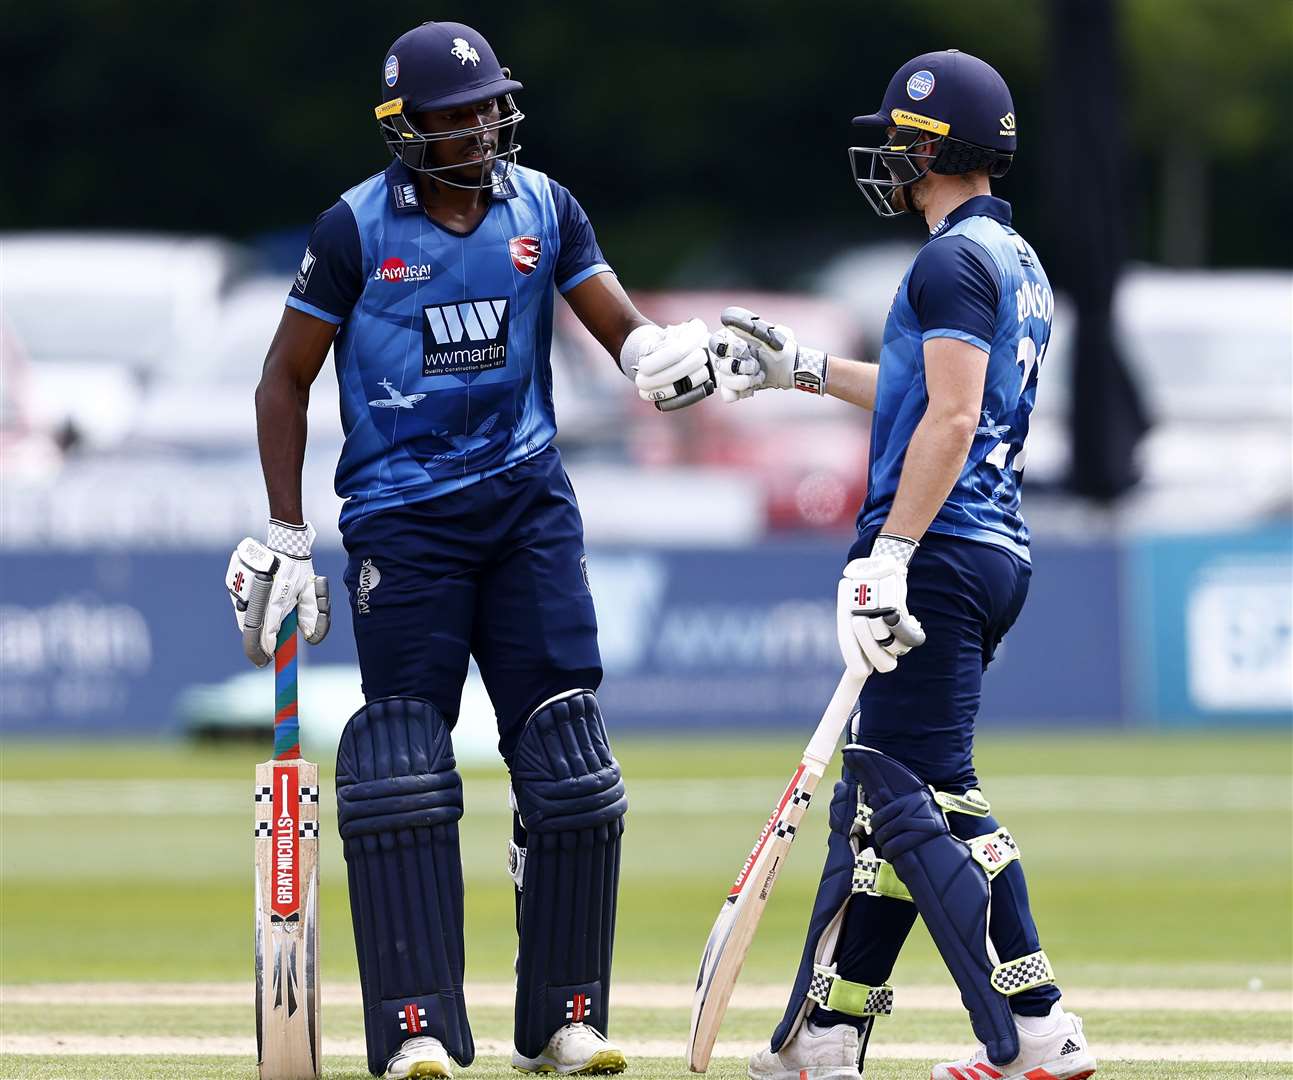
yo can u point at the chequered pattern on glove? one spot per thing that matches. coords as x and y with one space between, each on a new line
291 540
1016 976
896 547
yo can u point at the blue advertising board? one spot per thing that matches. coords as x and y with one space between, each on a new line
108 641
1213 616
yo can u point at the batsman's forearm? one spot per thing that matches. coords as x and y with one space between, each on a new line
935 456
281 408
852 381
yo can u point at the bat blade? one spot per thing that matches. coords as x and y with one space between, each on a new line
287 924
733 931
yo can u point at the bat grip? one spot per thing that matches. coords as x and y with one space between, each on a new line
287 727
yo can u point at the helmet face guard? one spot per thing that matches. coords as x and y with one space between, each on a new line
880 172
416 148
909 156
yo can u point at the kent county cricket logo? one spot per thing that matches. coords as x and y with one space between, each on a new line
463 51
525 252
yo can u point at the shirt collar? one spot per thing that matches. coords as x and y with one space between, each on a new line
404 192
978 206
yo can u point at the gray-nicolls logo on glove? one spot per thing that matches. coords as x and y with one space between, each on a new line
872 622
266 581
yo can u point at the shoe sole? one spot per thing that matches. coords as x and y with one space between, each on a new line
1040 1073
602 1063
429 1068
813 1072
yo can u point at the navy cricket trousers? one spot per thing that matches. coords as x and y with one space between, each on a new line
966 595
496 571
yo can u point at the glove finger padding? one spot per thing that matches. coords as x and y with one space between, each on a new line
736 368
676 353
314 610
250 580
746 322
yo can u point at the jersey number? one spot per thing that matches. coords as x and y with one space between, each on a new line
1028 358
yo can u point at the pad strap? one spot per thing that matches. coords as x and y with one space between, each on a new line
1016 976
850 998
994 851
876 877
972 802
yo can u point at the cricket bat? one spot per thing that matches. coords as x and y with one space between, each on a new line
733 931
287 887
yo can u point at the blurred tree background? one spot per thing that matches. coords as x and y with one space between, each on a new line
706 140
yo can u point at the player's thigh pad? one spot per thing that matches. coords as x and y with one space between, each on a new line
571 801
399 799
853 874
949 880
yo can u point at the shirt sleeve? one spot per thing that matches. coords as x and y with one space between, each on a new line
332 273
580 257
954 290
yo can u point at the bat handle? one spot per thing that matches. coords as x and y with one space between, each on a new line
287 728
821 747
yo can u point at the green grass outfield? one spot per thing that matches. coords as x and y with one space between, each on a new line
1157 865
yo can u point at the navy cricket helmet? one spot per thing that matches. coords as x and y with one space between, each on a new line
951 114
440 66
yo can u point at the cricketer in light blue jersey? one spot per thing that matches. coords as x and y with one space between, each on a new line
975 280
433 283
938 573
442 355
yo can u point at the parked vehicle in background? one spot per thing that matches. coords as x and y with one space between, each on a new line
1212 354
102 316
809 455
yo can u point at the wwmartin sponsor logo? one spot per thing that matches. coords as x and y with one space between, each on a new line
303 274
458 339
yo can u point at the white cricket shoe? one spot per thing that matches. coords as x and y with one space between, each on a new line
1055 1049
575 1048
420 1056
813 1053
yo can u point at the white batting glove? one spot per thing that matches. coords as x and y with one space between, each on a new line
871 617
266 581
782 361
670 365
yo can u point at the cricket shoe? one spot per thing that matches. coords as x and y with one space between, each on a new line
574 1049
1055 1049
422 1056
814 1053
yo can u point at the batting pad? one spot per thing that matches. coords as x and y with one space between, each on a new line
861 916
571 800
949 887
399 800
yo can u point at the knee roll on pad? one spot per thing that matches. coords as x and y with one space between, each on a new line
949 880
571 803
399 799
852 868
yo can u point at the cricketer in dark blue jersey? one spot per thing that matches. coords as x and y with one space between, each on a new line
942 548
433 283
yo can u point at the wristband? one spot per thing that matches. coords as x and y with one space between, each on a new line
294 541
897 547
810 371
